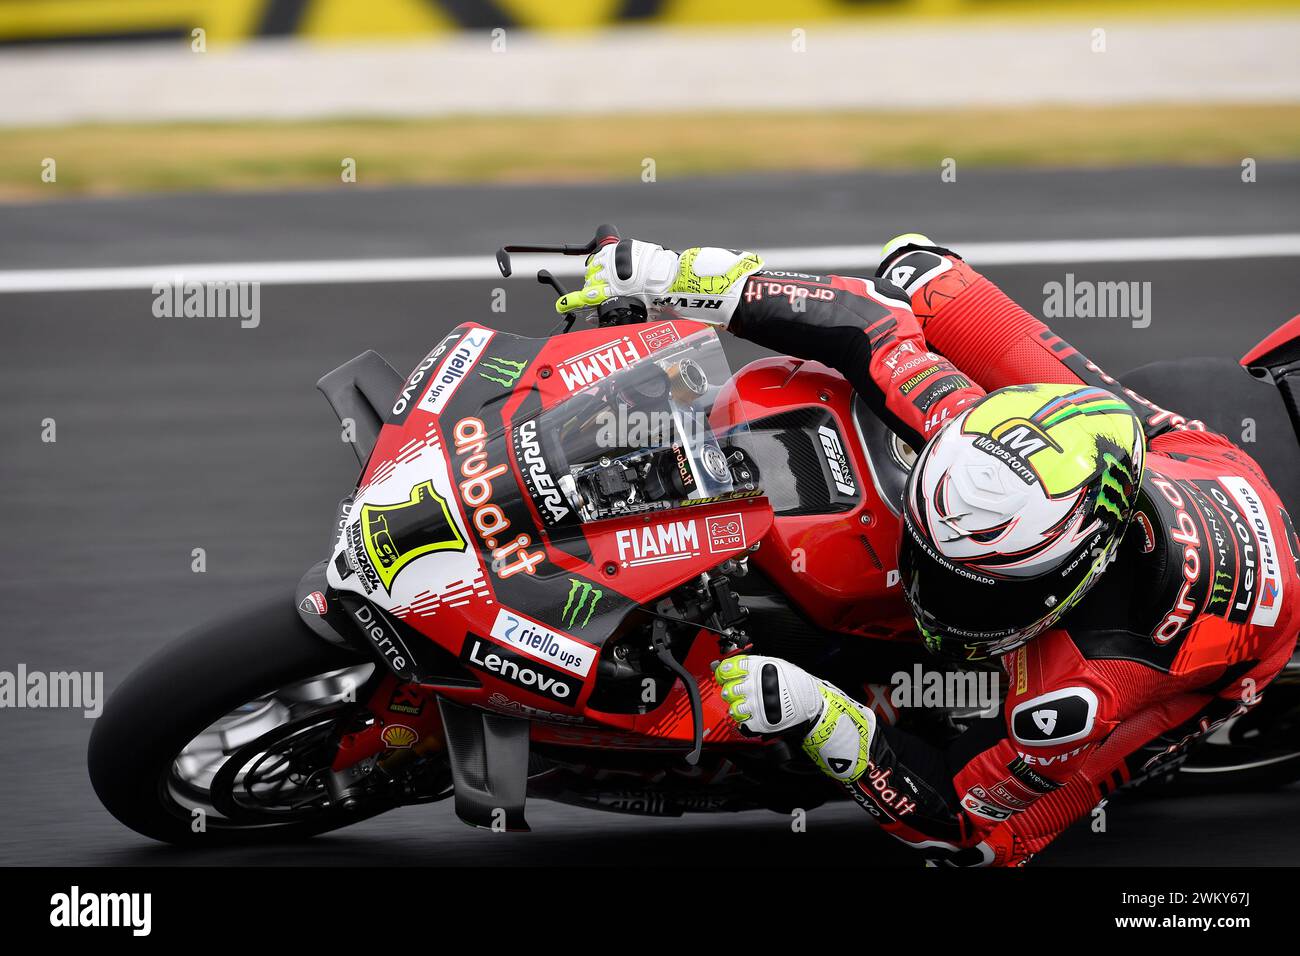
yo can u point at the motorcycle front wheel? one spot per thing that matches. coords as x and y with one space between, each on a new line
227 735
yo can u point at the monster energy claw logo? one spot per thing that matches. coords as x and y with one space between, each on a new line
582 596
1220 592
504 371
1112 487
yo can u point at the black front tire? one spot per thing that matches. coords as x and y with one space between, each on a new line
185 688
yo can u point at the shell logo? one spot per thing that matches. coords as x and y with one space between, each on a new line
399 736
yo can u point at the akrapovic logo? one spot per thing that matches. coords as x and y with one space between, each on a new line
541 484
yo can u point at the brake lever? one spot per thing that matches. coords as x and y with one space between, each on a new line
604 233
659 643
545 278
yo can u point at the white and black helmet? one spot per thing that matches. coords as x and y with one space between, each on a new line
1013 511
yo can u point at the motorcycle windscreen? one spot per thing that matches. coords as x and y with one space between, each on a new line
644 439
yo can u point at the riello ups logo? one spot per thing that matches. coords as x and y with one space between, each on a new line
395 535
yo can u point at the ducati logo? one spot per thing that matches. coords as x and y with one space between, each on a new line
397 534
1045 720
313 603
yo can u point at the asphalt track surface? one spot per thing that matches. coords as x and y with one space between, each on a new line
175 434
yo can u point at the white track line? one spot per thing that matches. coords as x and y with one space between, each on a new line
857 259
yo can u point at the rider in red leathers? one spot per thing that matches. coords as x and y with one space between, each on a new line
1134 575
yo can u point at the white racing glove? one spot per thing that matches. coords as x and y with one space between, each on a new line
702 284
767 695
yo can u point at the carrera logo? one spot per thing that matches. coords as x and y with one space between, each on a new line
658 337
541 485
837 461
726 532
520 671
591 366
674 541
537 640
453 370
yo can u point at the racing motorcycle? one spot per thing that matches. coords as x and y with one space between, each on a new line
550 543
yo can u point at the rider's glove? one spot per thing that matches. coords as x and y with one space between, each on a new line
702 284
768 695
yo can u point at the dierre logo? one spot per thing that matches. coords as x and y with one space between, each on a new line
521 671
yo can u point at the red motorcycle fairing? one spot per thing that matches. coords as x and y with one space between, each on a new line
1286 334
837 562
496 603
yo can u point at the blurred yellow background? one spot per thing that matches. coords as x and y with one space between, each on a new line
36 21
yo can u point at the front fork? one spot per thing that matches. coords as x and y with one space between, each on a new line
406 725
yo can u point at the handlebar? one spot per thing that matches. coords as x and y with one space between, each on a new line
605 234
616 311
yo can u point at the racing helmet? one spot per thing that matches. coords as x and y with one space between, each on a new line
1013 511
